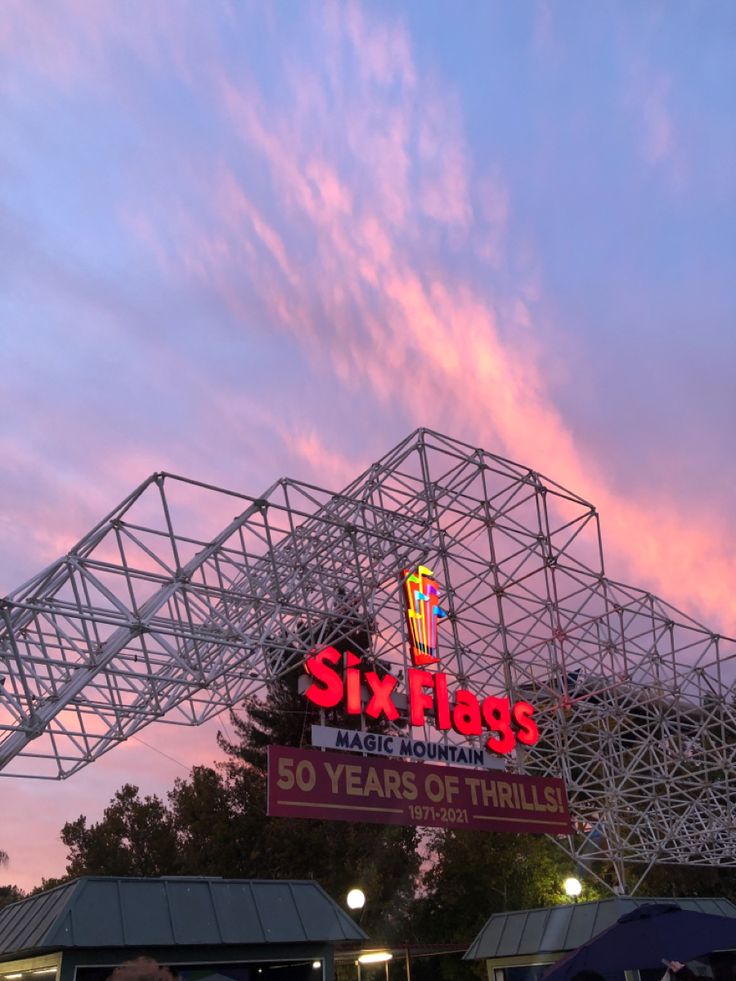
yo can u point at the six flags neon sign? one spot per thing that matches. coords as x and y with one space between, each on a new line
338 679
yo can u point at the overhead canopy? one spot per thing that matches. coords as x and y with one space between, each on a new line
556 929
95 912
171 608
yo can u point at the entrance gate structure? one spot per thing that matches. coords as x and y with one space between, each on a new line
153 615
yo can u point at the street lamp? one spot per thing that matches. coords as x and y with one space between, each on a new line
375 957
573 887
356 899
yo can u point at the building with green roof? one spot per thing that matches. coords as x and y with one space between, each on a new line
521 945
205 929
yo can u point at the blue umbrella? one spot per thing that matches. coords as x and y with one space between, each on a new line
642 938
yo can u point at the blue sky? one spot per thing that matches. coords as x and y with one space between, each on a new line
242 240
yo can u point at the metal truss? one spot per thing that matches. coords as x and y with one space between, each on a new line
156 616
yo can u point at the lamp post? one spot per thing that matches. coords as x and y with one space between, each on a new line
355 899
573 887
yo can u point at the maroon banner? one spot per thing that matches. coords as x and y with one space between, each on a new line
308 783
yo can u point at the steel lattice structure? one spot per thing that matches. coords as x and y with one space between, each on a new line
152 617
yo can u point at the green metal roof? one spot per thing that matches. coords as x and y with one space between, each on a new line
555 929
112 912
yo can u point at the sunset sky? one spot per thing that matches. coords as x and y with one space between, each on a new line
240 241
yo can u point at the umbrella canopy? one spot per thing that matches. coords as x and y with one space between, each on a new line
642 938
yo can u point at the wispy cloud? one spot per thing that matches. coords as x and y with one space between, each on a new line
385 308
649 103
344 218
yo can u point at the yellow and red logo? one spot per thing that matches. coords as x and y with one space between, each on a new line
421 599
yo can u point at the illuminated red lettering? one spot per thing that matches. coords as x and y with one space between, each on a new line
441 702
428 692
497 717
319 668
380 702
466 714
528 733
419 702
352 684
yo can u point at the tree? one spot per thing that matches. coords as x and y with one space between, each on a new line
135 837
471 875
383 860
685 880
10 894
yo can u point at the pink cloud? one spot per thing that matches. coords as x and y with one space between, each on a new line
34 36
443 339
240 207
658 136
385 47
329 468
408 331
379 304
443 166
73 42
650 105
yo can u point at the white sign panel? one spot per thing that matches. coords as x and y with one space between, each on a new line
381 744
